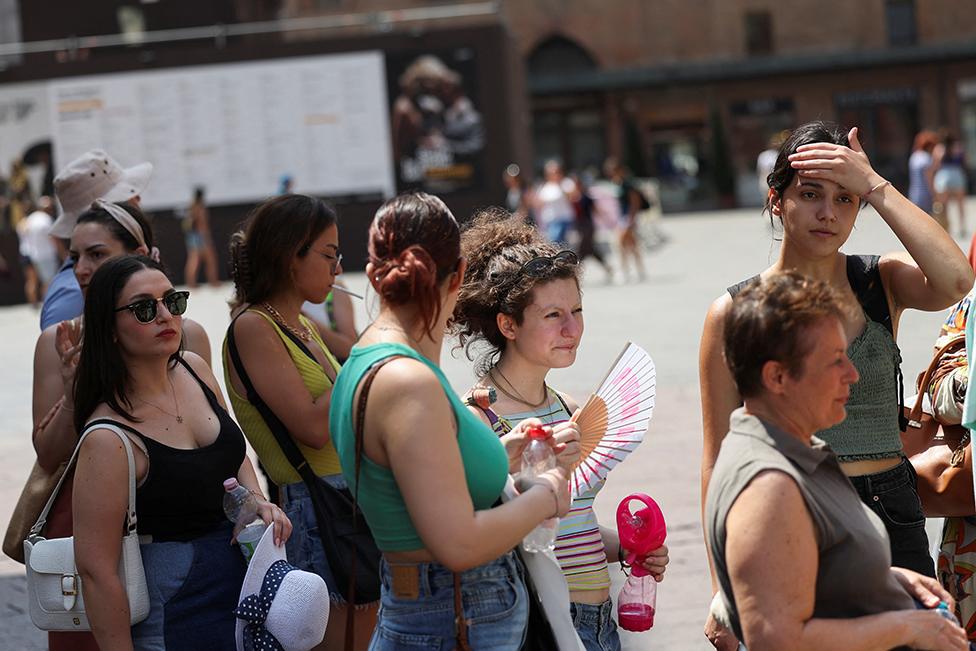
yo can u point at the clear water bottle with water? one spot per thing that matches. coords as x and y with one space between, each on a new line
241 508
537 459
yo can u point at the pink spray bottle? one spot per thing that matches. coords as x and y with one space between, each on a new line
640 532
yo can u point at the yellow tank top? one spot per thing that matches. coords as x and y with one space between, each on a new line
324 461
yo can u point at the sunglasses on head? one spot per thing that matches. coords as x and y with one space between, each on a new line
543 264
144 310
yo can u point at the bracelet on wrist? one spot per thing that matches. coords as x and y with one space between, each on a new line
555 498
882 184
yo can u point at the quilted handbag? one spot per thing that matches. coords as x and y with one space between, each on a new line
54 590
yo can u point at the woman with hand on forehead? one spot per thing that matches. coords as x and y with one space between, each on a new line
821 180
521 297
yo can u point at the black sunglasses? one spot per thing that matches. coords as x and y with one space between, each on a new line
145 310
540 266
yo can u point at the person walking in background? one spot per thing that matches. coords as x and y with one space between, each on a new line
801 562
631 202
38 252
288 253
553 203
93 175
921 190
586 209
822 178
199 242
766 160
431 471
521 299
133 377
949 163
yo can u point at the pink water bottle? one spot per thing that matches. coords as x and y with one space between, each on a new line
641 532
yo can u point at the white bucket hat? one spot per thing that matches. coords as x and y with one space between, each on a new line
281 606
94 175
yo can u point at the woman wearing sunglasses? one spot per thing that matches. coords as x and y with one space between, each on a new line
288 253
104 232
430 470
521 298
133 376
821 179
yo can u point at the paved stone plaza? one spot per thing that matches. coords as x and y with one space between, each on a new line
705 253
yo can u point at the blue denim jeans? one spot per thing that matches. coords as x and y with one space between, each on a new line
595 626
893 496
494 600
193 589
304 547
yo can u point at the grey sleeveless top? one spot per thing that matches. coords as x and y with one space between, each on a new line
871 429
854 560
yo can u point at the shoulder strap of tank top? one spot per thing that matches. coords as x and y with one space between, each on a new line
735 289
865 278
563 403
207 391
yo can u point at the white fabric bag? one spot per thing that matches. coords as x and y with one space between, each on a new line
54 589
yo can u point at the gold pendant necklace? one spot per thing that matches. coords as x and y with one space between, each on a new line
178 416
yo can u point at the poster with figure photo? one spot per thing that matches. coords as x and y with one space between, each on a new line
436 125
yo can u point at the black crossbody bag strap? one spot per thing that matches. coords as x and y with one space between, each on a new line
277 428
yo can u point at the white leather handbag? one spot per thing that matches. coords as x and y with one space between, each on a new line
54 589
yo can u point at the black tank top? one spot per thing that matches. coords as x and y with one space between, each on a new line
182 495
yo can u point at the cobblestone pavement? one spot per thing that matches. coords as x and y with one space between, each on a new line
705 253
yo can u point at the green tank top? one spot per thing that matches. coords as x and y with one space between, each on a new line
482 454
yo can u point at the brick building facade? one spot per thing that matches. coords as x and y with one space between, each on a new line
654 81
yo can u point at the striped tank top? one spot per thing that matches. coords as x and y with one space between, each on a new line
325 461
579 545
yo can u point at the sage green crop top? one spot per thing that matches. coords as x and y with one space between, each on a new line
482 454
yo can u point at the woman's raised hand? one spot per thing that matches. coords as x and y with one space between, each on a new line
68 344
847 166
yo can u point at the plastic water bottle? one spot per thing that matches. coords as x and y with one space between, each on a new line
537 459
241 508
641 532
943 609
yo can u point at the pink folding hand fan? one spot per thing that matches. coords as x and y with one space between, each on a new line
614 419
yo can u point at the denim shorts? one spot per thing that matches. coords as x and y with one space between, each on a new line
304 547
595 626
893 496
193 589
494 599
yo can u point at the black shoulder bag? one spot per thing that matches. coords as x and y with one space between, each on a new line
349 546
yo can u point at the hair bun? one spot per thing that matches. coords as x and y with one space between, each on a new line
413 271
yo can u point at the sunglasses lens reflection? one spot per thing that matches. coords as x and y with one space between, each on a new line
176 303
144 311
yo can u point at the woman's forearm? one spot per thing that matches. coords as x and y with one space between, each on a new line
108 611
940 259
55 438
496 531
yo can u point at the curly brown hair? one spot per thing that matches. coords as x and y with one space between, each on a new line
496 244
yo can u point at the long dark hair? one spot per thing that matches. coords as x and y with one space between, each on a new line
277 231
102 375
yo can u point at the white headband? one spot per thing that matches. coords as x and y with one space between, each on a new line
128 222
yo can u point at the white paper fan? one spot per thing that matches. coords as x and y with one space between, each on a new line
613 421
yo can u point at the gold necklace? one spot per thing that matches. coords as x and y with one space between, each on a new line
178 416
518 396
395 328
303 333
